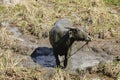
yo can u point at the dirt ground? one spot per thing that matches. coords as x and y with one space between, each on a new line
83 60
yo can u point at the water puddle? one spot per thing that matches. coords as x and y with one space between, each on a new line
43 56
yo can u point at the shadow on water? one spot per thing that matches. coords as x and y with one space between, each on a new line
44 56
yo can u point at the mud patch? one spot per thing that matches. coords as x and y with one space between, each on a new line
38 52
43 56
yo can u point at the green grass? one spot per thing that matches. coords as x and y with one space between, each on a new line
118 76
113 2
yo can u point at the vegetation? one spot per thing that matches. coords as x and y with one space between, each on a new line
113 2
36 17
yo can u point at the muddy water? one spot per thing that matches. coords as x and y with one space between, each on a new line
88 56
42 53
44 57
82 59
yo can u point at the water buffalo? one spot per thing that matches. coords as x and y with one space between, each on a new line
62 36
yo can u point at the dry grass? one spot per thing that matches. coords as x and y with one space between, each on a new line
6 40
9 60
111 69
36 17
10 71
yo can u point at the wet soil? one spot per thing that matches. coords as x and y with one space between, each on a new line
39 52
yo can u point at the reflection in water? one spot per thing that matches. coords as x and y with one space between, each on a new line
44 56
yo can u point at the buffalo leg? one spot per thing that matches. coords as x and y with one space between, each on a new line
65 61
66 57
57 59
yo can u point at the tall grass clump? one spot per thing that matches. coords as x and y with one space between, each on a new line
9 60
6 41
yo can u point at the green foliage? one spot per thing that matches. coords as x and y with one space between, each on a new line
113 2
2 8
118 76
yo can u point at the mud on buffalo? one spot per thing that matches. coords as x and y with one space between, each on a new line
62 36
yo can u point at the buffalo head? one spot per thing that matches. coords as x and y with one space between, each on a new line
78 34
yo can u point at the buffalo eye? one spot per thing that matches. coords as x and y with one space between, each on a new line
70 34
75 31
